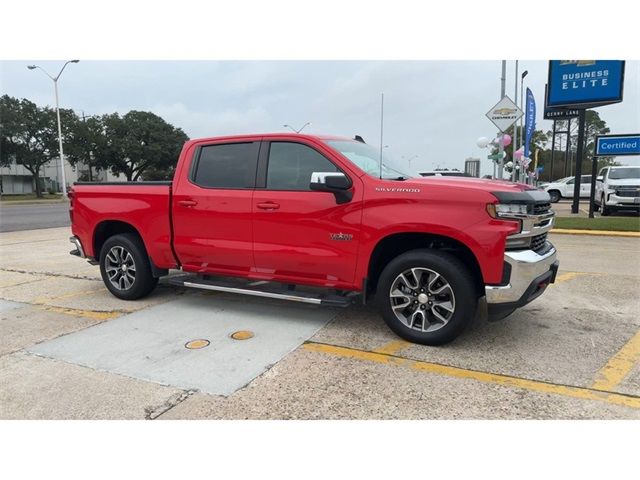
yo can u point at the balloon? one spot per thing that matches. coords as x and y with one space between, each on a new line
509 165
482 142
506 140
518 154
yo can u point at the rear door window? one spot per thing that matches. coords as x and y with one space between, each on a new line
229 165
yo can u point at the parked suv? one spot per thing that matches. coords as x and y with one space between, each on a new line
563 188
617 188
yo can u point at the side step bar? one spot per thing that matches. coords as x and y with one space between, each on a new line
263 289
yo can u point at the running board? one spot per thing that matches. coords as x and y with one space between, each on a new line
266 289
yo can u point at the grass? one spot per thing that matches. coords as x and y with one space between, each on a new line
29 196
620 224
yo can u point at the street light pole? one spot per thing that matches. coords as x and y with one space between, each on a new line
298 130
55 87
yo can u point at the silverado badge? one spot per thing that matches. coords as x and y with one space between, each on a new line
341 237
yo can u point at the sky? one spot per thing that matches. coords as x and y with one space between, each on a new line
432 109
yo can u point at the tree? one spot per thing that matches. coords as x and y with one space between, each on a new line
85 141
29 134
139 142
594 126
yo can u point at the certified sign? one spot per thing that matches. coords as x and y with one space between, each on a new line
504 114
614 145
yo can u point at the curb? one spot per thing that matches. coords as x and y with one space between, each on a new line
602 233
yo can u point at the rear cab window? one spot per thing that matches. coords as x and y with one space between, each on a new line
226 165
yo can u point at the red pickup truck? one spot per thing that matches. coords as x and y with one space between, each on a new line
320 219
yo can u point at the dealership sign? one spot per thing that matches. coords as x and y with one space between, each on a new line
504 114
585 83
615 145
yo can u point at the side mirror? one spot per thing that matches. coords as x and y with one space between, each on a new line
599 178
334 182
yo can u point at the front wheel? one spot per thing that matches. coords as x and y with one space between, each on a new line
125 267
605 211
427 296
554 196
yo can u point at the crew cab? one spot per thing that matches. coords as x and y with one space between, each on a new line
617 188
320 219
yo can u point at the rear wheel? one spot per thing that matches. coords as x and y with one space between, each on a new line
125 267
555 196
427 296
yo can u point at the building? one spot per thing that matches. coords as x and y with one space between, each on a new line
16 179
472 167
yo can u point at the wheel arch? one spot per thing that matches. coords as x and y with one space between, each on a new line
108 228
390 246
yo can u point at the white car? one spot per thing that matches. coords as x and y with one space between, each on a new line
617 188
563 188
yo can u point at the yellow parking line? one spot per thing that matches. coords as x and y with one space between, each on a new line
619 366
92 314
492 378
609 233
563 277
394 347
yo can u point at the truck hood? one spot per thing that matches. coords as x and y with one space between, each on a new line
482 184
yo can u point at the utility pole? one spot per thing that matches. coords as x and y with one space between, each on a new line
514 141
503 79
381 128
55 87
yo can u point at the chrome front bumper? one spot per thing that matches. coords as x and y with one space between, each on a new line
529 272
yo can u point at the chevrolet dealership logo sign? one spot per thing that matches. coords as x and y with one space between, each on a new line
504 114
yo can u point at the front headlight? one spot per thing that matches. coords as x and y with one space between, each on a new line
507 210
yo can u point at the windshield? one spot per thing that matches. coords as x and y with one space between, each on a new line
367 158
623 173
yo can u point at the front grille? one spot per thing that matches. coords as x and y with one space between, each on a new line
541 208
538 242
628 192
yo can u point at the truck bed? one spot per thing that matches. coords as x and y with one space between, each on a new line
144 205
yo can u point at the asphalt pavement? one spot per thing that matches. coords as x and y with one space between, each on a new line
16 217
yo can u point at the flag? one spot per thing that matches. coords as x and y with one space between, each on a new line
530 121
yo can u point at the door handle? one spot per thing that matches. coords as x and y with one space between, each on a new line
187 203
269 206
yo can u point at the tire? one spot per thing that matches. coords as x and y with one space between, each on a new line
136 280
555 196
605 211
444 320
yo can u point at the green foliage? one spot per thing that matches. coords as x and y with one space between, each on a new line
84 141
29 134
139 141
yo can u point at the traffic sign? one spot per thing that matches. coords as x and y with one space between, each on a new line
504 114
614 145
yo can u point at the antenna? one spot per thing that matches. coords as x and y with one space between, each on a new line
381 129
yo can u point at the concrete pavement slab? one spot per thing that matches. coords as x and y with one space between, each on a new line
26 325
8 306
313 385
150 344
43 251
611 255
541 341
40 388
12 279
